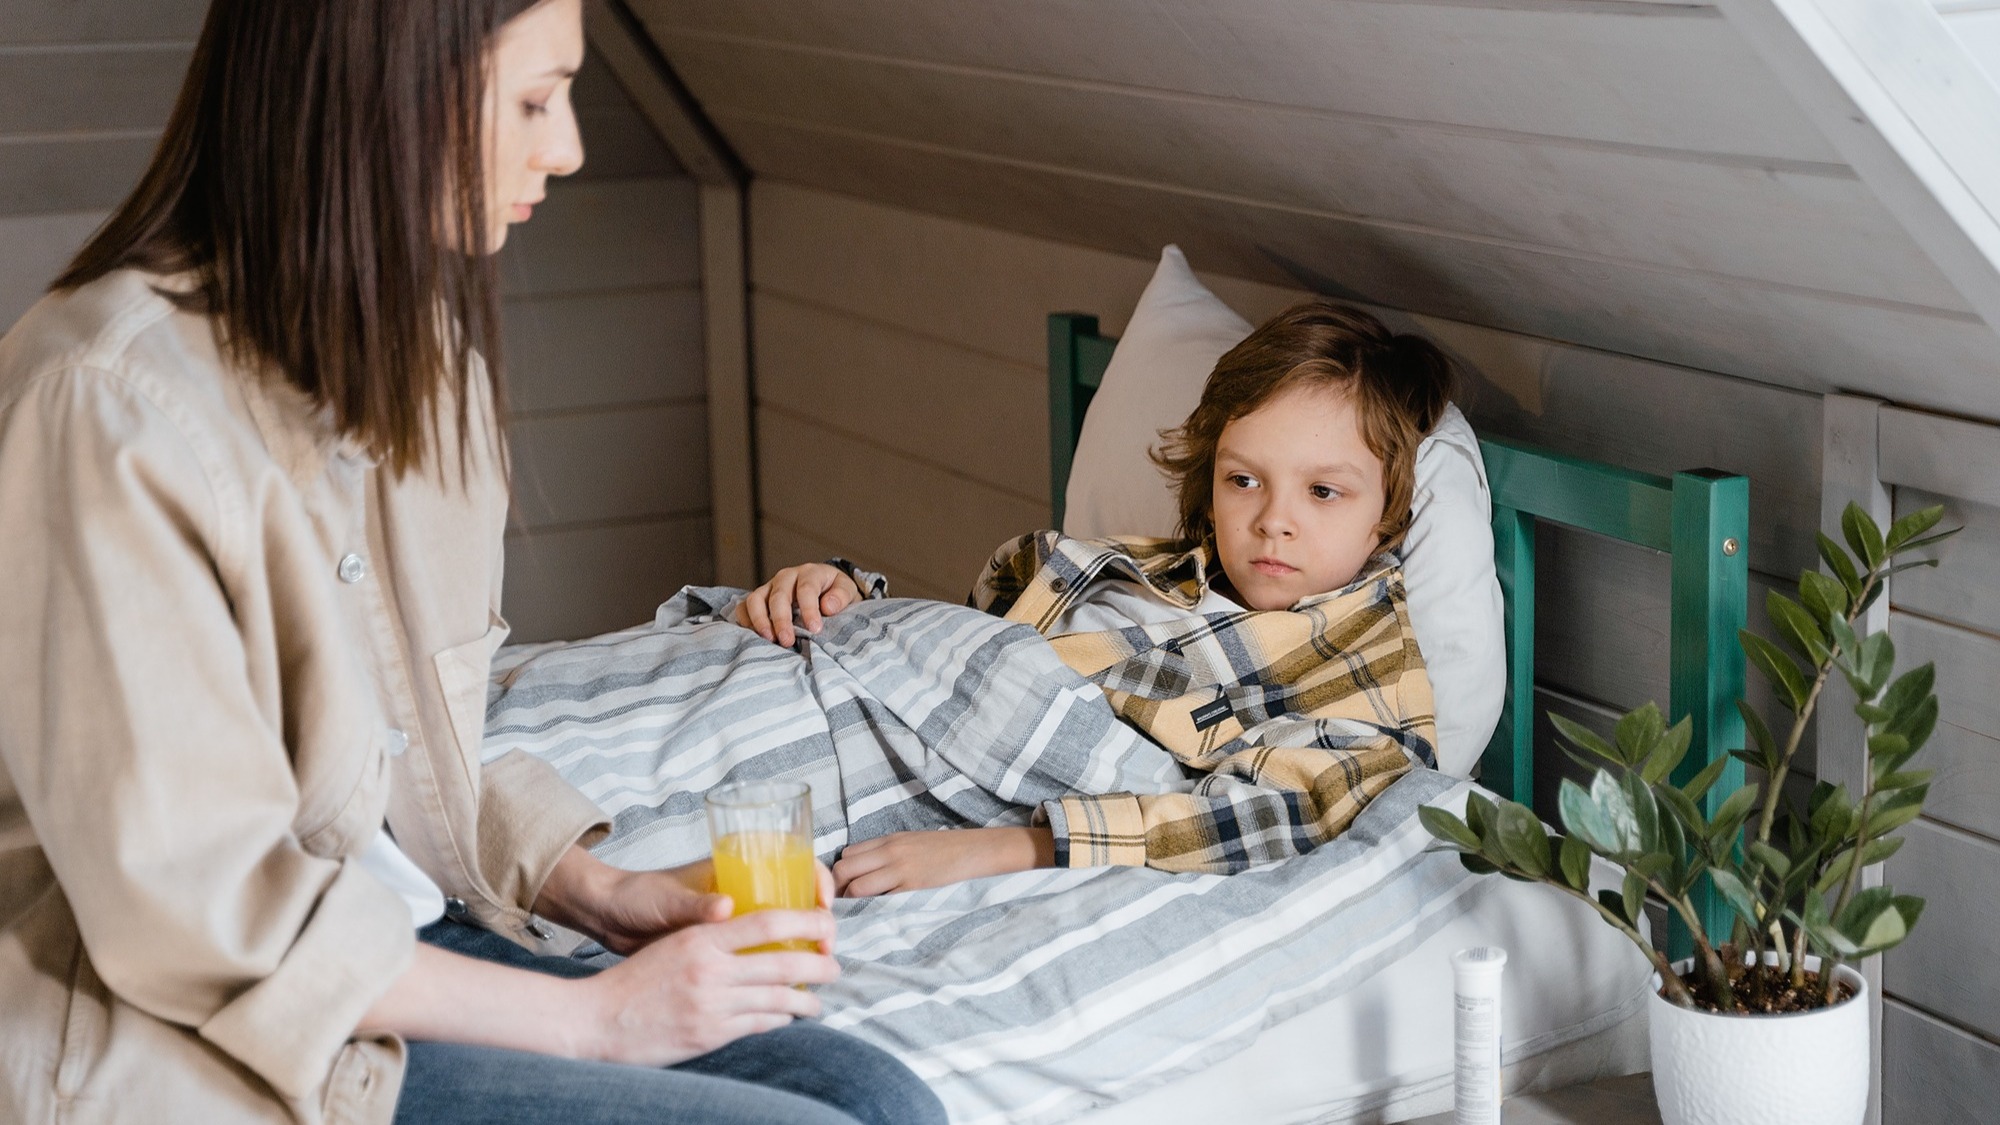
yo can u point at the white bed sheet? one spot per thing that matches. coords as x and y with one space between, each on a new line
1573 1011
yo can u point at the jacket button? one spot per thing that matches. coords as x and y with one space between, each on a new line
396 742
454 907
352 569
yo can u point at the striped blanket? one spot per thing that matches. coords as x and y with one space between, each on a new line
1024 998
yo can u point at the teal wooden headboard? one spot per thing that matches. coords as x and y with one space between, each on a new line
1700 517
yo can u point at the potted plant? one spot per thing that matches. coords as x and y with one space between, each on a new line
1766 1023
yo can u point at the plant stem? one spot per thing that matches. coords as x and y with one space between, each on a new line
1713 970
1677 992
1775 784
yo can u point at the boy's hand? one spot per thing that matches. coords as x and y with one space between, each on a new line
908 861
808 593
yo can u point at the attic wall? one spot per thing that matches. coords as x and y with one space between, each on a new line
603 310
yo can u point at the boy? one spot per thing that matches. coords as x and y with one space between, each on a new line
1289 682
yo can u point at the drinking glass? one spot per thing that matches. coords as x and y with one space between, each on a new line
761 832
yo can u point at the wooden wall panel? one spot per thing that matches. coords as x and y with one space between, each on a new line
1736 218
1941 967
99 21
33 250
606 235
1926 357
578 582
631 463
112 87
1965 750
957 410
1933 1072
1965 585
584 350
934 527
41 174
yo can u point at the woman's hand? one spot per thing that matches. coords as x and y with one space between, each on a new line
908 861
808 593
626 910
689 993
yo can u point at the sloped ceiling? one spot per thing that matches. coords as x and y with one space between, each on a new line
1674 180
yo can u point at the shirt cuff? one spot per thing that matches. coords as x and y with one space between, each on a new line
528 819
290 1026
1101 831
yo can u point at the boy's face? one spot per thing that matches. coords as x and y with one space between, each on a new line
1298 497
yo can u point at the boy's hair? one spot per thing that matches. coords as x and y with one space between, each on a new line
1399 384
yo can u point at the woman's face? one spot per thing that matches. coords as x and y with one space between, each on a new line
530 125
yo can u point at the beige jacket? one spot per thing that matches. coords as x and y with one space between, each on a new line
219 627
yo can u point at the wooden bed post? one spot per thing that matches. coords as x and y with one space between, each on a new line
1508 765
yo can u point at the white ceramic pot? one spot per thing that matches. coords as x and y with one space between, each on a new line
1809 1068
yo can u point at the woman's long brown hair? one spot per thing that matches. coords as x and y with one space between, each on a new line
323 177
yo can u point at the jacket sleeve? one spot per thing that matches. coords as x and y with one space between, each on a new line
1261 804
161 795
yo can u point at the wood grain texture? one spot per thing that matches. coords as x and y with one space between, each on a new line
784 546
45 175
1687 318
99 21
1615 75
635 462
958 410
579 582
1934 1072
1941 454
585 350
1764 223
122 87
1965 750
1939 967
606 235
935 527
36 248
1964 588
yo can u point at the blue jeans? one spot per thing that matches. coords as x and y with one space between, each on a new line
801 1074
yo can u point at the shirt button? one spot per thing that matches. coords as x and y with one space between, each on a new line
396 742
352 569
454 907
1058 586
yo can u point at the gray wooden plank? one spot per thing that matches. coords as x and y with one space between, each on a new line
1965 750
99 21
732 469
580 350
1613 1101
622 464
580 582
1940 454
606 235
1941 967
1766 223
956 409
1921 357
1933 1072
33 250
1594 73
1662 419
618 144
43 175
784 546
1965 585
936 527
124 87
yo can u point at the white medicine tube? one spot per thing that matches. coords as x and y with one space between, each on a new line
1476 988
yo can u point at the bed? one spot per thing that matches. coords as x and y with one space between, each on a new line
1314 989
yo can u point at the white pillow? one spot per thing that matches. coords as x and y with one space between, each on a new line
1176 334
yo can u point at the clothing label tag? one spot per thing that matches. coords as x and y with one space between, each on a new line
1211 713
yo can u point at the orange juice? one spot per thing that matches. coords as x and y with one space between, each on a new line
767 871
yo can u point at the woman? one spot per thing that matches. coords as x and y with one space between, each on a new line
254 491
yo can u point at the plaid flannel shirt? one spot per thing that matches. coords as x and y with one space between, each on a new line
1295 718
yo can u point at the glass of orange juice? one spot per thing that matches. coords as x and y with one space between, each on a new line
761 832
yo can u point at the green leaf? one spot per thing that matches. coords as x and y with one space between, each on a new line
1635 896
1909 527
1478 814
1888 745
1798 627
1842 566
1729 818
1448 828
1638 730
1881 822
1916 724
1844 641
1910 688
1645 812
1668 751
1890 782
1775 861
1738 896
1920 544
1585 821
1777 667
1877 660
1699 785
1863 536
1823 596
1574 861
1760 737
1583 738
1525 845
1615 903
1683 809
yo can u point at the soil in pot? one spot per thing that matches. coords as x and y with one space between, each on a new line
1770 993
